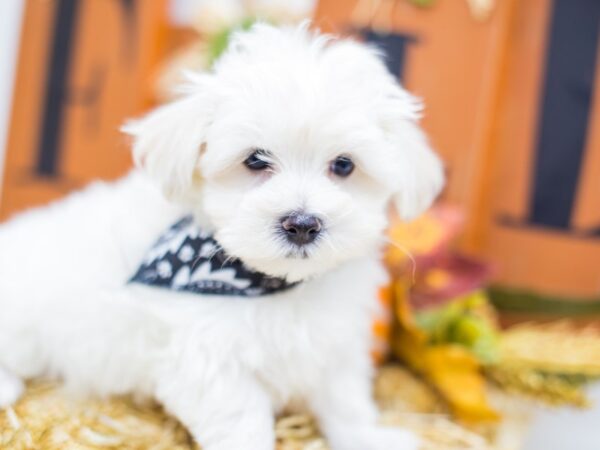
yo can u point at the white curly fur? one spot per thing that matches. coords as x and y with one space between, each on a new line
225 366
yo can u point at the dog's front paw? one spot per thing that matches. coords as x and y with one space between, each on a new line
11 389
373 438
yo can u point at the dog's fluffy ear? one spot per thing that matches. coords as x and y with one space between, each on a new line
420 172
168 141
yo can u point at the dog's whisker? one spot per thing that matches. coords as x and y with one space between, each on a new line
407 252
218 248
229 258
337 220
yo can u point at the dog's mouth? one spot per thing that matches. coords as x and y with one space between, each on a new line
299 253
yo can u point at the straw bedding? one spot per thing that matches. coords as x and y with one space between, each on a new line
46 419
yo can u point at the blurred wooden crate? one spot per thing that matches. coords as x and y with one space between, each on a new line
540 217
84 67
512 109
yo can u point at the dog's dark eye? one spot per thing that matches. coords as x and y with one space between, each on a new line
256 161
342 166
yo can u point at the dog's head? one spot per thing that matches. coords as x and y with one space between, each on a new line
292 147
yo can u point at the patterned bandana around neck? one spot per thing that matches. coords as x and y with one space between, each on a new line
187 259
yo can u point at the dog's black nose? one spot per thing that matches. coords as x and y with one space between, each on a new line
300 228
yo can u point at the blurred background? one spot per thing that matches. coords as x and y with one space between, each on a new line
512 106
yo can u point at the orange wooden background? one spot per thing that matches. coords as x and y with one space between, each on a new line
114 53
545 260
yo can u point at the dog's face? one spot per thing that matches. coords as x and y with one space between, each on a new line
293 148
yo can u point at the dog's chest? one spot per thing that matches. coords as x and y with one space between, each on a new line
299 357
326 329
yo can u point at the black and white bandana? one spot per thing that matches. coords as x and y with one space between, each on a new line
187 259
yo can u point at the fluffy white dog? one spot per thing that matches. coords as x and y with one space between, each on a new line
287 156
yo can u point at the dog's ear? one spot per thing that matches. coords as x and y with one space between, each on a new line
168 141
419 173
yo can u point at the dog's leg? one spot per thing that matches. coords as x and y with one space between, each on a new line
226 411
348 415
11 388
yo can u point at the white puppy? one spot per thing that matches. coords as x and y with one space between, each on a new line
288 154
